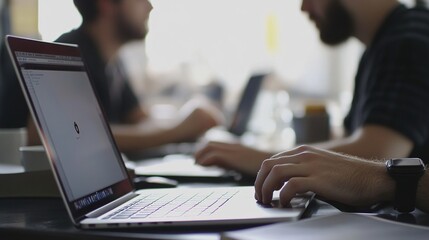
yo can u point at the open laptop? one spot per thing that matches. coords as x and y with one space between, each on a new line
87 165
181 164
245 106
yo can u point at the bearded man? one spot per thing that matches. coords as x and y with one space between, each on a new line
389 115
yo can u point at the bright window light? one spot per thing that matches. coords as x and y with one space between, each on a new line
199 40
57 17
231 39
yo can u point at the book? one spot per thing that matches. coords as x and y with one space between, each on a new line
339 226
28 184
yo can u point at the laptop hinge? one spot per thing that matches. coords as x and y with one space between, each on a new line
100 211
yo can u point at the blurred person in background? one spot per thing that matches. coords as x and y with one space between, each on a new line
107 25
389 117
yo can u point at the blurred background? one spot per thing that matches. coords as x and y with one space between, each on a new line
193 43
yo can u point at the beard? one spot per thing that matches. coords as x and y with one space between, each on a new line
127 31
338 25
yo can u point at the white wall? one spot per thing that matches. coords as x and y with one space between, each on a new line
57 17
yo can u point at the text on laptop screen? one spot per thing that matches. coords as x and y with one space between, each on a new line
84 157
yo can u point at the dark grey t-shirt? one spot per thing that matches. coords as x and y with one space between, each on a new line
392 82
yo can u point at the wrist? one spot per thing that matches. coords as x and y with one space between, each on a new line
386 186
178 133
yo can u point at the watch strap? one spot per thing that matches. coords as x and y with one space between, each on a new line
405 194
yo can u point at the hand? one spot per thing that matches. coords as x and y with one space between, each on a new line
199 115
337 177
231 156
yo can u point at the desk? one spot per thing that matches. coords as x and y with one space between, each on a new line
46 218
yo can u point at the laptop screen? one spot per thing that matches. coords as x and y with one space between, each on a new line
246 104
71 124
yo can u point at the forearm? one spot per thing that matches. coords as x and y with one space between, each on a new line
134 139
356 148
372 142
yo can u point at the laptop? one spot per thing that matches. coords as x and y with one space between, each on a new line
88 168
243 112
180 165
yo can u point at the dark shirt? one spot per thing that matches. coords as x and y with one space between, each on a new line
110 82
13 108
392 82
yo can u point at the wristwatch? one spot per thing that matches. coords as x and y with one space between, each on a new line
406 172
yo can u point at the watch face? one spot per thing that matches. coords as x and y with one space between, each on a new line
406 162
405 166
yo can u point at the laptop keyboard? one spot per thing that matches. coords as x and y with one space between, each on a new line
169 205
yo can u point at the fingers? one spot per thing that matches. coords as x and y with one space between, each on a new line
275 180
202 155
262 175
215 159
295 186
276 171
290 186
269 164
212 153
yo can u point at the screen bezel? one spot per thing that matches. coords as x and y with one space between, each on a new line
121 188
